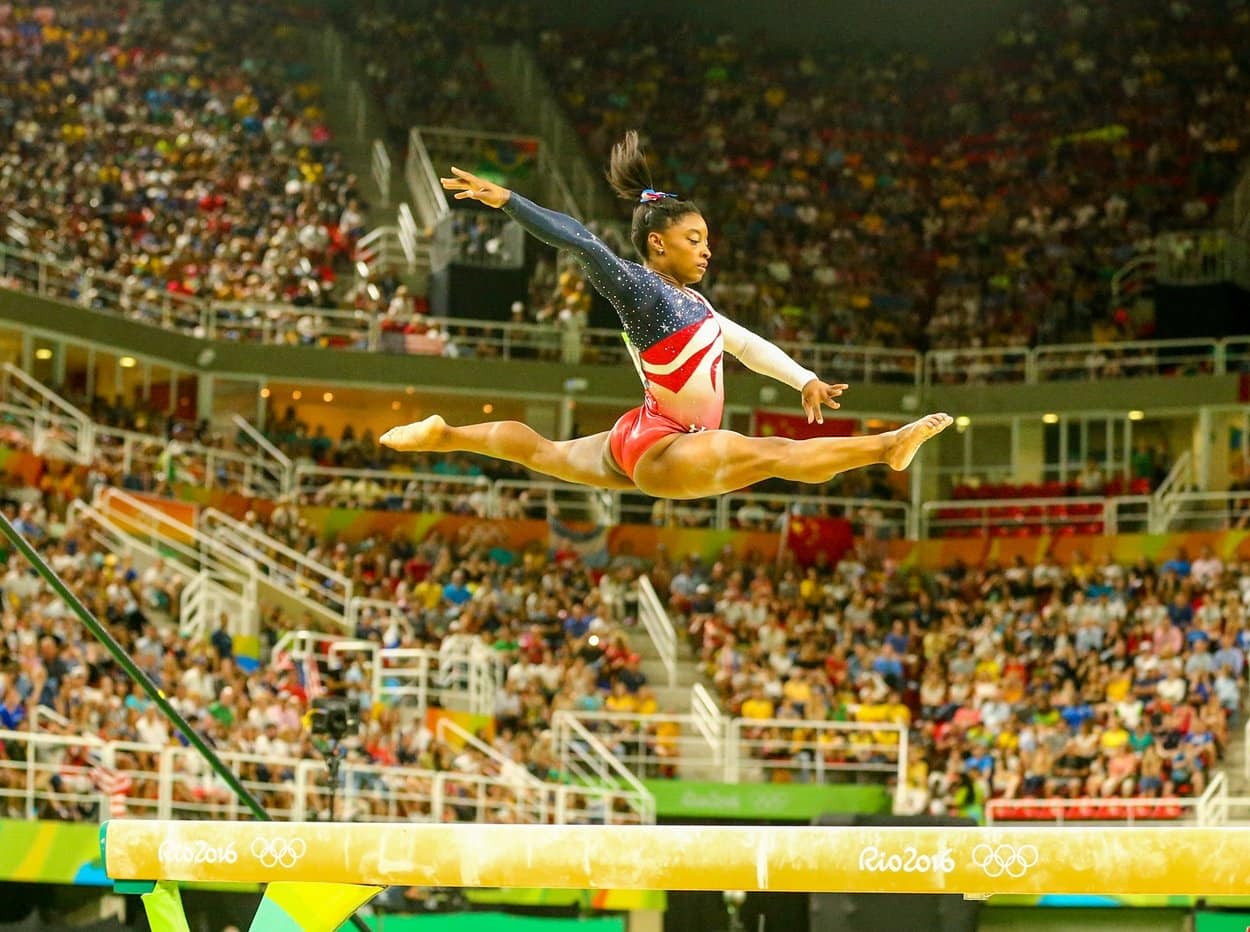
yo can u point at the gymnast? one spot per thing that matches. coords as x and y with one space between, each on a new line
672 446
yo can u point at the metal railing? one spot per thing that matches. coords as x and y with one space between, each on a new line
1029 516
1163 503
55 776
816 751
1210 808
409 679
277 466
294 574
372 488
59 429
361 330
588 761
1135 278
218 585
1199 257
55 426
703 744
659 627
380 166
876 517
450 733
1207 511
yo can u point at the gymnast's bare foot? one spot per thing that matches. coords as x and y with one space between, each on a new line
902 446
419 436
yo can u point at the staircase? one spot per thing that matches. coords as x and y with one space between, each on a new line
519 80
670 695
359 129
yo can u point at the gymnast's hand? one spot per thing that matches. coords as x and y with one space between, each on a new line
478 189
817 393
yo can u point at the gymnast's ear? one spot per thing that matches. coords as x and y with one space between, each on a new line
655 244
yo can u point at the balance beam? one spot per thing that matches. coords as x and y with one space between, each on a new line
1079 860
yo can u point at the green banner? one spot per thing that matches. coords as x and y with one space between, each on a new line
1221 922
773 802
491 922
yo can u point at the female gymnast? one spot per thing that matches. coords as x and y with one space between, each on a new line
672 445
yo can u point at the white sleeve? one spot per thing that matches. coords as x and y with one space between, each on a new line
758 355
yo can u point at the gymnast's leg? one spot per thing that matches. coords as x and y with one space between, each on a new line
715 462
586 460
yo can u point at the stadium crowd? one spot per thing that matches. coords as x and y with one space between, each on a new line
220 185
1029 681
848 208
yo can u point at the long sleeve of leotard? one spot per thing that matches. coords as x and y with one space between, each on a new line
633 292
758 355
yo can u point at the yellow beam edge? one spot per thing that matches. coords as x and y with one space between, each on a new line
1079 860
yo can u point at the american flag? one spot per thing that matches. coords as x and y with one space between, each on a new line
312 679
109 781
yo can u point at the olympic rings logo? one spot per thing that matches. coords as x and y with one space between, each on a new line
997 860
278 852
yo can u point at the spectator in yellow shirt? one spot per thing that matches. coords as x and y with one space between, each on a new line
758 706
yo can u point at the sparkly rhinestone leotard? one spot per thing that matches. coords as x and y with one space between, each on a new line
676 338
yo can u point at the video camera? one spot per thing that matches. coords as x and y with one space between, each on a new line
333 718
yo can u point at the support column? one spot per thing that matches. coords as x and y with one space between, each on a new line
59 352
1203 440
204 397
1028 449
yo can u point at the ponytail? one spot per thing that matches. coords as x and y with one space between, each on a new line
630 177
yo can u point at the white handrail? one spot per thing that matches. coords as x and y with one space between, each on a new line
284 472
1136 808
893 514
708 720
1054 511
333 590
215 583
206 319
53 419
608 765
1212 808
384 793
380 165
659 627
1180 478
506 765
1206 511
802 734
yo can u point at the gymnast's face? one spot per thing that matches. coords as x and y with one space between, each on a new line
681 249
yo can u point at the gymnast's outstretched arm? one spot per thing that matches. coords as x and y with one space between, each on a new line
632 290
759 355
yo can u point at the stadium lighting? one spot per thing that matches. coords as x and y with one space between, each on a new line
128 362
328 397
1050 417
43 353
1136 415
963 422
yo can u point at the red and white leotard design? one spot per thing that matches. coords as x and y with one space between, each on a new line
682 374
683 389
